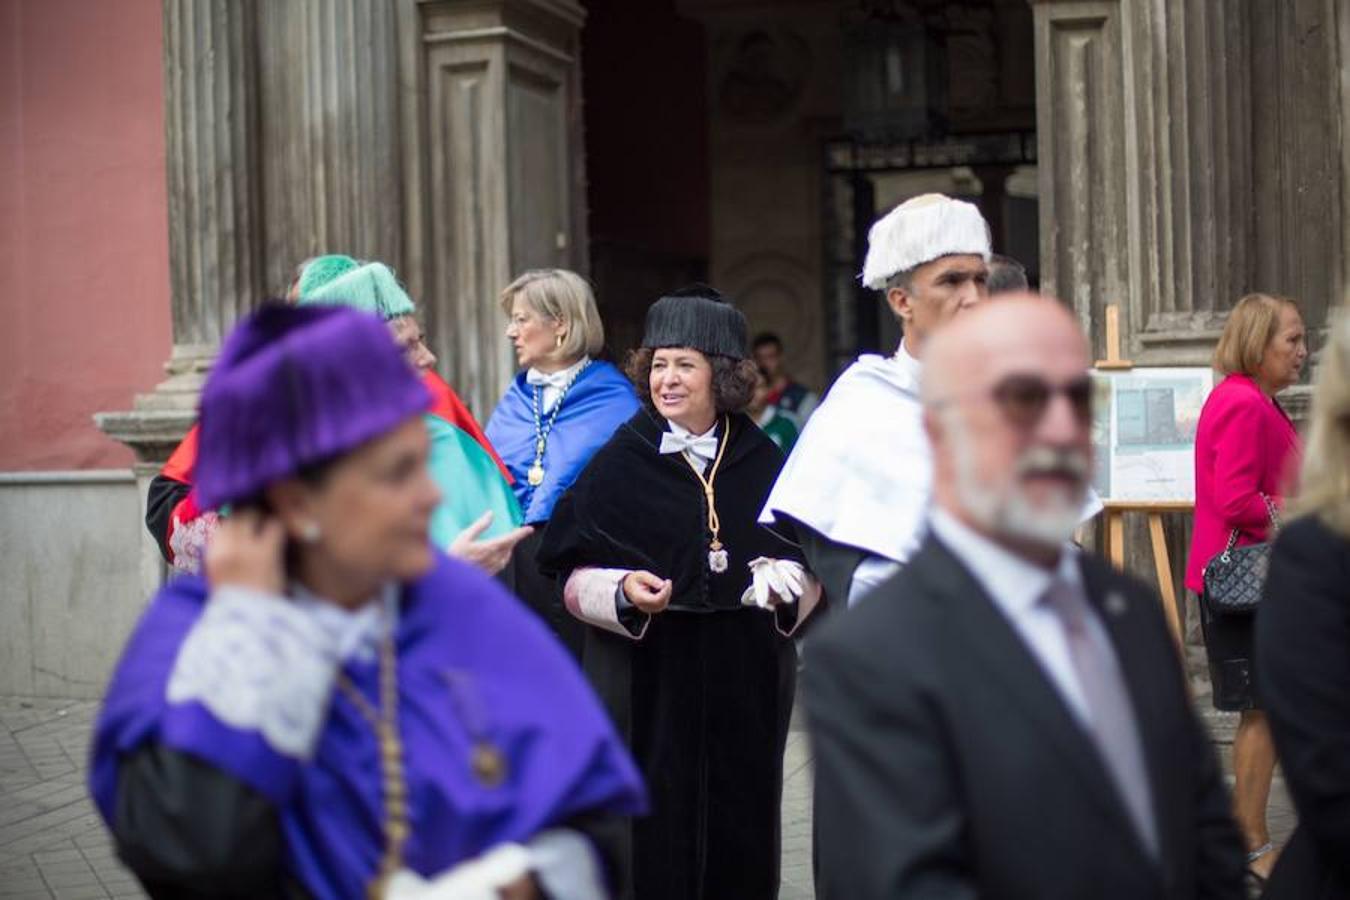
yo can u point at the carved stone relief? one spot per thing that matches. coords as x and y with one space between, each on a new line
778 293
761 74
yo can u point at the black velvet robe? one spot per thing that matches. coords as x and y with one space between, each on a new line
704 698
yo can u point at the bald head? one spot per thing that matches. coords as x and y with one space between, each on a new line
1021 330
1007 408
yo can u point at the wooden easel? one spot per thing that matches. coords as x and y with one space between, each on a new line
1162 563
1115 511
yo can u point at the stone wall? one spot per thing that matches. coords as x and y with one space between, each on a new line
71 590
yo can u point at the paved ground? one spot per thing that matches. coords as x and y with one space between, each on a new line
52 844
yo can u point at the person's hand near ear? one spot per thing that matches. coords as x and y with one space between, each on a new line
247 550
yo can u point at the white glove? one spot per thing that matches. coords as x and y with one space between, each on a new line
474 879
774 581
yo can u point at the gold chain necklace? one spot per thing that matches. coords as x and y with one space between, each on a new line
717 555
385 724
487 763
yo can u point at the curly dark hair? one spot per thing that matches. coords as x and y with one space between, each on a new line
733 380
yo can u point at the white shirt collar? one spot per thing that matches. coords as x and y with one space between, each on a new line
553 383
908 362
355 632
1014 583
558 378
678 429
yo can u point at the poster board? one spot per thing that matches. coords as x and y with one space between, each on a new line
1143 432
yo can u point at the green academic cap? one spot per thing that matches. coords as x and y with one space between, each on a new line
371 287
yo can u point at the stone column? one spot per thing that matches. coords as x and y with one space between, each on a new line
498 173
1300 151
332 169
1186 149
1144 144
210 80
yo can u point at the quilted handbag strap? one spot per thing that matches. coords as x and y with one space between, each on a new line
1275 525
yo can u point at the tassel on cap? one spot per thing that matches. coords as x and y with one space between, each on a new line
322 269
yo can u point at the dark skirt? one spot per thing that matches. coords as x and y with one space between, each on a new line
1229 646
541 594
704 701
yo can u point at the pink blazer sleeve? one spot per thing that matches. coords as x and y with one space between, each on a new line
1240 466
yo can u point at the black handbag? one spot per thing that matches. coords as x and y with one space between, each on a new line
1235 577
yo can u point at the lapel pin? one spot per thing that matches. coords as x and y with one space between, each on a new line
1115 604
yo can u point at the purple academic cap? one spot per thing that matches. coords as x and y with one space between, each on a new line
294 386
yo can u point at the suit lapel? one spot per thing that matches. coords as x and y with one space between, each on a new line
1012 668
1144 678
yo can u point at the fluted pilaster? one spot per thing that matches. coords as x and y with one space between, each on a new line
1190 152
210 95
331 142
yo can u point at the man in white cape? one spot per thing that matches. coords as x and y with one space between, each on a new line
855 491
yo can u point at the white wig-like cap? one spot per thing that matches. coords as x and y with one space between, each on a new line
921 230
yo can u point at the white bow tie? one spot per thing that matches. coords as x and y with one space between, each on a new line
703 446
556 379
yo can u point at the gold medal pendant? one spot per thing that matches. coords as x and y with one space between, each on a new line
488 764
536 475
717 558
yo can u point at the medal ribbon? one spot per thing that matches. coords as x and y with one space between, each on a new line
714 523
542 428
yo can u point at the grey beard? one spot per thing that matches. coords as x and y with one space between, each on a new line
1010 513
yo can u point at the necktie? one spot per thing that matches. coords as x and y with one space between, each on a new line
1112 724
702 446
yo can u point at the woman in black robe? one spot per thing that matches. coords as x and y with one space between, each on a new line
690 605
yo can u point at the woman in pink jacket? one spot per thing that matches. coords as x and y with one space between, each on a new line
1245 446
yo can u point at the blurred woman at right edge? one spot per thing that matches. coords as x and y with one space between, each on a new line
1303 645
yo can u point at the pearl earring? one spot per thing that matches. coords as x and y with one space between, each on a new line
557 342
310 532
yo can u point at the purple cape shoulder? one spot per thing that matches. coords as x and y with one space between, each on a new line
456 625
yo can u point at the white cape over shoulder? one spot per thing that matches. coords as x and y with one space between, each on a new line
861 472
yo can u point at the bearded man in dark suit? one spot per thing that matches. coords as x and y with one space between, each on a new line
1007 717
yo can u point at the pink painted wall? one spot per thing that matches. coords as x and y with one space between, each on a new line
84 257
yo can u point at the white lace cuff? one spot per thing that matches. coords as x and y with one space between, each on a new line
258 662
590 596
187 541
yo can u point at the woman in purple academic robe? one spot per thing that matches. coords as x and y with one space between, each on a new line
337 709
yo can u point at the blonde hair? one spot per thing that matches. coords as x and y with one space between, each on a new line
1250 328
1324 481
565 297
